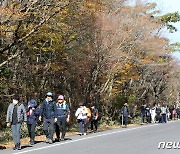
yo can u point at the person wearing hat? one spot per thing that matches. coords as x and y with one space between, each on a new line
63 116
32 118
81 114
16 114
94 118
125 114
48 111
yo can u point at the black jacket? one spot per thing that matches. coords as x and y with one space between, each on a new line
48 110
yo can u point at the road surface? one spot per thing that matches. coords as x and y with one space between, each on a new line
135 140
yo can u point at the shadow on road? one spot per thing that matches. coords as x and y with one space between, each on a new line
2 147
25 146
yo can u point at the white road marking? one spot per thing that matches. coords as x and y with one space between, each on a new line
90 137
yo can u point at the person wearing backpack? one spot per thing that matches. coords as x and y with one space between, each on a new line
81 114
48 111
32 118
16 114
63 116
94 118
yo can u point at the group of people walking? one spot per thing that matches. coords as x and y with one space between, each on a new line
53 114
159 113
152 114
85 117
57 115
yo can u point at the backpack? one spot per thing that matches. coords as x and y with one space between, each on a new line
88 113
158 110
99 116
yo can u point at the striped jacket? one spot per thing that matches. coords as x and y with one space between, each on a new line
21 113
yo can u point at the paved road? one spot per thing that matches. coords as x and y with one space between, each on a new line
137 140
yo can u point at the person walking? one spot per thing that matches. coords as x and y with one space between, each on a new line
16 114
32 118
178 112
125 114
153 114
158 113
164 112
174 113
94 118
171 108
48 111
88 119
143 113
63 116
148 114
81 114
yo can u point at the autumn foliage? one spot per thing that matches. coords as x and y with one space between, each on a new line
95 51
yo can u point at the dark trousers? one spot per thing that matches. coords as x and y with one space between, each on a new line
142 118
125 120
148 119
164 118
61 127
31 131
82 125
158 118
94 123
16 132
48 127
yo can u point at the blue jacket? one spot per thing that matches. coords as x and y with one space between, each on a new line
48 110
62 109
32 115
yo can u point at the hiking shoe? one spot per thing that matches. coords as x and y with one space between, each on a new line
91 131
18 146
50 141
85 133
57 139
32 142
62 139
15 147
47 140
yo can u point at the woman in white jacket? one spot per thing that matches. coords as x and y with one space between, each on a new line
81 114
153 114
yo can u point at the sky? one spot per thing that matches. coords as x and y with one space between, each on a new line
171 6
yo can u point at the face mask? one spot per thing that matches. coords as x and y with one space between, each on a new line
15 102
49 99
